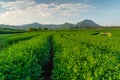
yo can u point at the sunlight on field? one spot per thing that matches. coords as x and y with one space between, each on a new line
106 34
60 55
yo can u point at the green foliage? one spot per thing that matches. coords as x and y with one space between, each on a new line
24 61
10 31
106 34
86 57
8 39
19 37
78 55
32 29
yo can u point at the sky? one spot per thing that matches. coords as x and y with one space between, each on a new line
18 12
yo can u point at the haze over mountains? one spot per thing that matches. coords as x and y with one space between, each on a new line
82 24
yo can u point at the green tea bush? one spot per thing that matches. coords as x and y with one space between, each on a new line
24 61
86 57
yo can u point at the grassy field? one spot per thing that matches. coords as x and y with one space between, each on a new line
60 55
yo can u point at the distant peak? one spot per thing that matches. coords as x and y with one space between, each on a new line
35 23
66 23
87 20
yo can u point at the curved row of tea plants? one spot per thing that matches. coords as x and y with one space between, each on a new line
8 39
82 57
24 61
21 36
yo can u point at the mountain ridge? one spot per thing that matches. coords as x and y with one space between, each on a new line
66 25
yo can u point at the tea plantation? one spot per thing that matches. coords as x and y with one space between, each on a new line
60 55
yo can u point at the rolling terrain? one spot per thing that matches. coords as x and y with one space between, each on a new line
60 55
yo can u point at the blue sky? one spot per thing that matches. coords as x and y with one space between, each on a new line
17 12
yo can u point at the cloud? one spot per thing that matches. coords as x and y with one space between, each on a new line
19 4
26 11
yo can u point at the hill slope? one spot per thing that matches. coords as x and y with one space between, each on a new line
87 23
66 26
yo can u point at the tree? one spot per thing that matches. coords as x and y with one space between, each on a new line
45 28
32 29
39 28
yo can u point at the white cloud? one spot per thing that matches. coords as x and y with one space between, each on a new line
26 11
19 4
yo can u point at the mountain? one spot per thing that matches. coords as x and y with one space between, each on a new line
49 26
38 25
80 25
7 26
66 26
32 25
87 23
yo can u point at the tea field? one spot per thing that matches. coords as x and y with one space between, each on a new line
60 55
